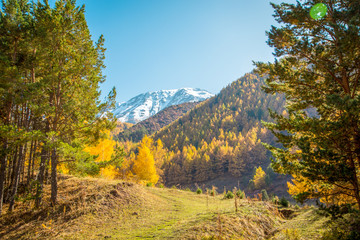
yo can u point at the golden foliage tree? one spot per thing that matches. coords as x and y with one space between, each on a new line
259 178
144 165
104 151
331 194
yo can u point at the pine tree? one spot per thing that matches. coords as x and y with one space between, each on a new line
50 71
318 68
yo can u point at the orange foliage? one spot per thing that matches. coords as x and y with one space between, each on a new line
104 150
333 194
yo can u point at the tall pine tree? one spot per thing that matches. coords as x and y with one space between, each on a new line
317 67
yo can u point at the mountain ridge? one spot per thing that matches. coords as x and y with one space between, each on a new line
154 123
148 104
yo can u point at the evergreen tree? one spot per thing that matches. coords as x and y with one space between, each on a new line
318 68
50 71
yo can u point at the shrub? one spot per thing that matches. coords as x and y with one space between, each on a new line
240 194
229 195
188 190
199 191
345 228
264 195
296 206
174 187
149 184
161 185
275 200
283 202
335 211
213 192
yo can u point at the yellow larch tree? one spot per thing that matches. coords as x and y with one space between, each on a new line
144 165
104 150
259 178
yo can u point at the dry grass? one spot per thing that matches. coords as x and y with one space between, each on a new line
254 220
78 197
90 208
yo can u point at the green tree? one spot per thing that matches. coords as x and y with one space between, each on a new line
50 71
317 69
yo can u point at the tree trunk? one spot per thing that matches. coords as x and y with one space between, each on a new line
15 183
29 163
40 177
54 160
355 182
2 173
33 161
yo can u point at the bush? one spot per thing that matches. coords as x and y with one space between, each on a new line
283 202
213 191
296 206
240 194
188 189
174 187
345 228
229 195
161 185
264 195
335 211
199 191
275 200
149 184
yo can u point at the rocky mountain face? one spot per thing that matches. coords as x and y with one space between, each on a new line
148 104
154 123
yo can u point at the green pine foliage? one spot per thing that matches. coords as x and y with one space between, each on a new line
264 195
229 195
317 67
283 202
240 194
50 71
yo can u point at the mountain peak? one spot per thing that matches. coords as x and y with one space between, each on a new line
148 104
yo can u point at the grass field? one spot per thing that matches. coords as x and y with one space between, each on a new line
100 209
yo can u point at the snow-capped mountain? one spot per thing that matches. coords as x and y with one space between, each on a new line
148 104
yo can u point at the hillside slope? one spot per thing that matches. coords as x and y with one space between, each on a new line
222 136
155 123
100 209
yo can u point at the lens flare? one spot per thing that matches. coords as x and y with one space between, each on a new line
318 11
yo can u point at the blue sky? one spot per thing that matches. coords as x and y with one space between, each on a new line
167 44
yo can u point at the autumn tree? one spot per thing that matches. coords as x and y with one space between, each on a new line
109 156
144 165
317 68
259 178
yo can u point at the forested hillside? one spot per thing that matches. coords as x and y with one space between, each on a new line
222 135
155 123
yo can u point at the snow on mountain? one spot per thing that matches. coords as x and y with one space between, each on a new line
148 104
